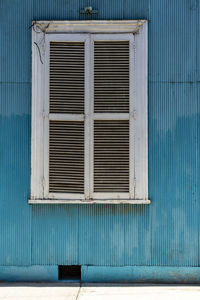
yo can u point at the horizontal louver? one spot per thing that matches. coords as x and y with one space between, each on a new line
67 77
66 157
111 156
111 76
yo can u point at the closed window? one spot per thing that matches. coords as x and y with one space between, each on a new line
89 113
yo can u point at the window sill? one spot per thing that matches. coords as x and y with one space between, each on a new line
96 201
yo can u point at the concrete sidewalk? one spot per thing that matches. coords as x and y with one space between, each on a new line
17 291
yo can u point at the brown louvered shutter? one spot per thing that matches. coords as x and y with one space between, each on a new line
67 77
111 76
111 156
111 135
66 133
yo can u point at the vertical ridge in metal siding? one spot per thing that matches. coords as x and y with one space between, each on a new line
101 229
15 214
172 49
55 234
111 76
111 156
107 10
67 77
15 54
66 157
137 231
172 176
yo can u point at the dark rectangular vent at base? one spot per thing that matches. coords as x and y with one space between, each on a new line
69 272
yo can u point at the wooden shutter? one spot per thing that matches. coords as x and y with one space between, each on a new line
111 76
67 77
111 97
111 156
66 133
66 157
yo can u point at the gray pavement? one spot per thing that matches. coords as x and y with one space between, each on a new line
22 291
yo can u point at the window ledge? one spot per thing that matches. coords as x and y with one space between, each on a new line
96 201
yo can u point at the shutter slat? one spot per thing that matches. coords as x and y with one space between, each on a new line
111 76
66 157
67 77
111 156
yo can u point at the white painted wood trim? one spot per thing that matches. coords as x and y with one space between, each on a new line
94 26
37 117
141 114
111 196
112 37
66 117
66 196
60 37
111 116
97 201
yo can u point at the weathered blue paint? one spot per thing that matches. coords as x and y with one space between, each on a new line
130 274
104 274
165 233
29 273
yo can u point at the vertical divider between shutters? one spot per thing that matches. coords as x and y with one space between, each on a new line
46 121
87 118
91 116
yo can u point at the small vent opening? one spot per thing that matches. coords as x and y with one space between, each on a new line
69 273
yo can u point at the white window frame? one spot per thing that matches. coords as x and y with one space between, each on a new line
43 32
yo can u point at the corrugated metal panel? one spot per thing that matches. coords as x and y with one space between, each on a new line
197 187
172 174
101 229
15 214
164 233
55 234
56 10
15 18
137 235
15 96
107 10
137 9
172 47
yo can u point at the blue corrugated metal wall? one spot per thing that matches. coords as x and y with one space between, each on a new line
164 233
